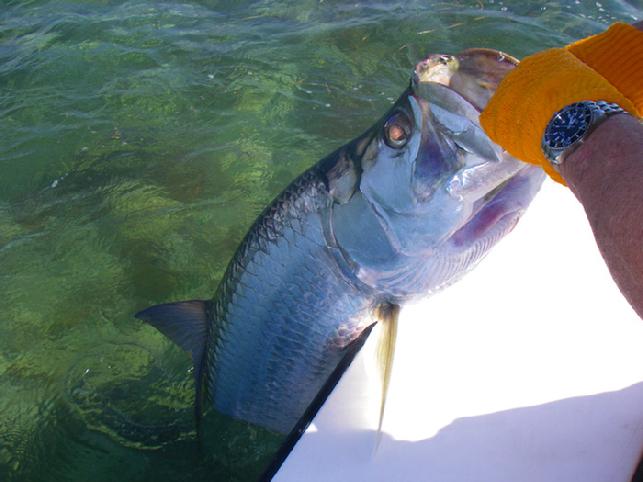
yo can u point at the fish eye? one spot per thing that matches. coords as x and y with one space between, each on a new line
397 130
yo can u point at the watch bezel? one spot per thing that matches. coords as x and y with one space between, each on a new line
592 114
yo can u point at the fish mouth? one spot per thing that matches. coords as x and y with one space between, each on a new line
473 74
500 188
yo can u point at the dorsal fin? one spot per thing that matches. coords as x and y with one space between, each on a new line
186 324
387 314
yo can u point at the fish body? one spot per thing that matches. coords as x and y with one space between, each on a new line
286 310
400 212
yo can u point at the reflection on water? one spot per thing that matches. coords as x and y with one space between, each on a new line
138 141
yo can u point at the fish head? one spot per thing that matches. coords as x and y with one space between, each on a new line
431 173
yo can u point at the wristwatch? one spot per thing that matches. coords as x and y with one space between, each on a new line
571 125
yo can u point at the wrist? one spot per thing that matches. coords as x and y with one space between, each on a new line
596 160
570 127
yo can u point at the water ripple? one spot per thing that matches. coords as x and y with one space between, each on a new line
138 142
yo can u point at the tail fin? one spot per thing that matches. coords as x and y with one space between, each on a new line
186 324
387 315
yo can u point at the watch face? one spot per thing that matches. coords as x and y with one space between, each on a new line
567 126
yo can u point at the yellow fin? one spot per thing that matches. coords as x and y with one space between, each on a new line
387 315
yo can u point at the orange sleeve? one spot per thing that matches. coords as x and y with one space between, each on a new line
544 83
617 54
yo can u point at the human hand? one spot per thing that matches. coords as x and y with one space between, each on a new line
608 66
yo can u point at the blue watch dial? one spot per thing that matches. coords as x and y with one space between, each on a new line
568 125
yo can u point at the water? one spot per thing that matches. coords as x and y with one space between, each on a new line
138 141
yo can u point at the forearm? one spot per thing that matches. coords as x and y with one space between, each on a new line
606 175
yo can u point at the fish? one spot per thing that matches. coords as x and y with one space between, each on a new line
398 213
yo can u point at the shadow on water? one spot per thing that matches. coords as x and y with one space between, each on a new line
595 438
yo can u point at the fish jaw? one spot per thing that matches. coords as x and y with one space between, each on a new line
492 188
454 89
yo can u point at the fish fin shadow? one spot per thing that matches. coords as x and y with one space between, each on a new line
302 424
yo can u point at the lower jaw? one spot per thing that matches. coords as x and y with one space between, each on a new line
486 223
504 210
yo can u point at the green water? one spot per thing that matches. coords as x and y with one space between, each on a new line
138 141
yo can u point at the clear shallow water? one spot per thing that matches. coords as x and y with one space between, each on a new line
138 141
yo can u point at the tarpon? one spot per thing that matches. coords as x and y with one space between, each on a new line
399 212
